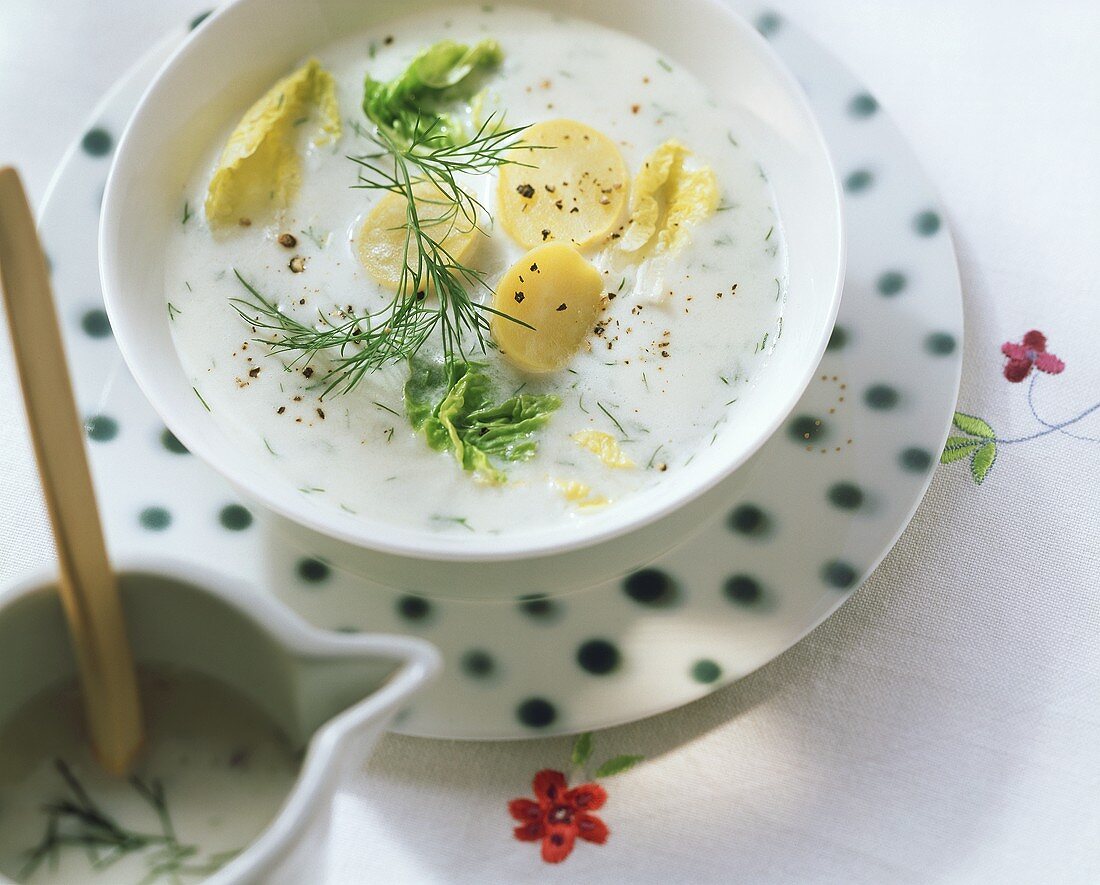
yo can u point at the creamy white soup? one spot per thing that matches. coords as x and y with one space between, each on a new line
213 774
658 302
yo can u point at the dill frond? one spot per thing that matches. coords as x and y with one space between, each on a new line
78 821
433 295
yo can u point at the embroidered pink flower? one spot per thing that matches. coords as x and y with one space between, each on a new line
559 816
1032 351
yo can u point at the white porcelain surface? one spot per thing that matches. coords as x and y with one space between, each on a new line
331 693
242 48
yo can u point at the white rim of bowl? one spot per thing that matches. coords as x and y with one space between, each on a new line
412 544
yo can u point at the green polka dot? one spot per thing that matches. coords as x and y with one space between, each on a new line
890 283
743 590
101 428
536 713
199 19
838 339
651 587
598 656
748 519
173 445
414 608
156 519
705 671
838 574
940 344
863 105
915 460
478 663
768 23
858 181
927 223
348 629
95 324
845 495
235 517
881 396
97 142
806 429
540 608
313 570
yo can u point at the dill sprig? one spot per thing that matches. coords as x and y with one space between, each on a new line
614 420
433 294
78 821
354 343
432 157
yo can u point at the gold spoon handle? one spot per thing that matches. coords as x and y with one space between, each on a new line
89 591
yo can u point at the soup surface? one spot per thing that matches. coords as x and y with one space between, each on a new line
213 774
679 332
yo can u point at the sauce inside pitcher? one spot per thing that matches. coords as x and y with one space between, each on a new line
213 774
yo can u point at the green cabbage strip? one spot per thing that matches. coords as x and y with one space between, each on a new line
451 404
412 103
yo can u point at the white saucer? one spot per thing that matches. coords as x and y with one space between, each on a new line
825 500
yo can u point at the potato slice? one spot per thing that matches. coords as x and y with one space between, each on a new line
381 239
667 200
576 191
559 294
259 169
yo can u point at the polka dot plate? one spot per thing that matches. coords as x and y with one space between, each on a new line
825 499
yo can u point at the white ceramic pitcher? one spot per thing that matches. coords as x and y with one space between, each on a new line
332 693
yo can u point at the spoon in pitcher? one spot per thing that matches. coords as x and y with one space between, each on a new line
88 588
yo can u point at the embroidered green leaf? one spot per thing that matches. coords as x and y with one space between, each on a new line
582 748
958 447
972 425
618 765
983 460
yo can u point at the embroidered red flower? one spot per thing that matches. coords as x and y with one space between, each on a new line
559 816
1032 351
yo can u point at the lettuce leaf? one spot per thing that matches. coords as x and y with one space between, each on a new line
260 169
452 405
412 103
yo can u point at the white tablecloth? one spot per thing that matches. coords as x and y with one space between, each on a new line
945 724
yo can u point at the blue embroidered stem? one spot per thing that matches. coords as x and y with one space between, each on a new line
1050 428
1035 414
